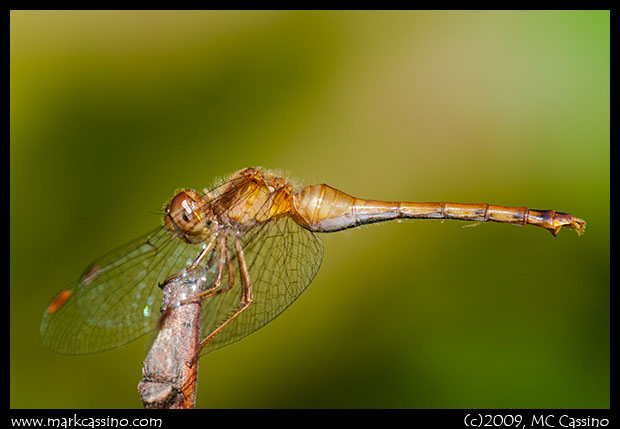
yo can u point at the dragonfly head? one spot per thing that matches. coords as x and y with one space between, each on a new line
189 217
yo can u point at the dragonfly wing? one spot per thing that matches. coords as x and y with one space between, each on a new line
117 299
282 259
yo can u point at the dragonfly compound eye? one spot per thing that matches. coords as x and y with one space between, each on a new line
186 213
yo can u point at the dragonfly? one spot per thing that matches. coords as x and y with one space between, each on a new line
255 238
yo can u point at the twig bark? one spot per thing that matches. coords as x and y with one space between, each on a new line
168 378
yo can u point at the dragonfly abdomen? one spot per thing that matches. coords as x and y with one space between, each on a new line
549 219
321 208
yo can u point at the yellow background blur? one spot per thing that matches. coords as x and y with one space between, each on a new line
113 111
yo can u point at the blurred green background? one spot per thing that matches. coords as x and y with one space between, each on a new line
113 111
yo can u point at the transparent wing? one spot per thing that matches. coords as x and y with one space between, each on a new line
117 299
282 258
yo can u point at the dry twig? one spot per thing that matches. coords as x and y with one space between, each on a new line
169 380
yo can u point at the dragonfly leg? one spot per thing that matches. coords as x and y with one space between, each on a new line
215 290
246 299
196 262
212 291
204 253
